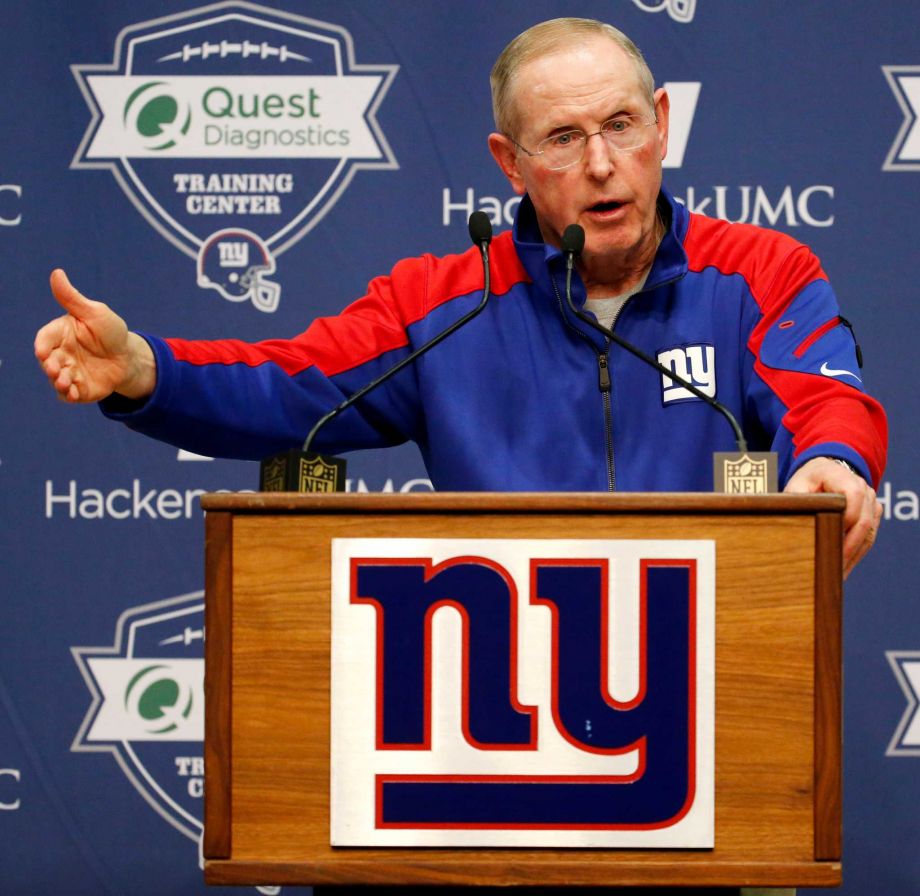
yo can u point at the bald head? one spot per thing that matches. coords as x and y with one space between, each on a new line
546 39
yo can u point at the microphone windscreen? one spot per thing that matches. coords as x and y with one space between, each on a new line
573 239
480 228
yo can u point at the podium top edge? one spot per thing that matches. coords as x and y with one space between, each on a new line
522 502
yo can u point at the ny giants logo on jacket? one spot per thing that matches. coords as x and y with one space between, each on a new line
522 693
695 364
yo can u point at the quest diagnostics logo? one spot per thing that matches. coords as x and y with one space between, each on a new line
147 708
160 700
234 129
156 117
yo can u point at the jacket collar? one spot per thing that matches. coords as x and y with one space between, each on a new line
543 261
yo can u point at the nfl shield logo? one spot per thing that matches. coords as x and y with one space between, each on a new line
745 476
317 475
750 473
273 470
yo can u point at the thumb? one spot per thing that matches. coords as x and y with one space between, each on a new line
68 296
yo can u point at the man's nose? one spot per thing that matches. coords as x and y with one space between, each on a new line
598 156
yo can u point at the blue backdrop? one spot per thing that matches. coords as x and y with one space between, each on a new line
798 115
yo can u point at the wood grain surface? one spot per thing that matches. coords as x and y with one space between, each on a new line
767 825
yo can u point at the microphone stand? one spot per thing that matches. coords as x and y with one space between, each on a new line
736 472
307 471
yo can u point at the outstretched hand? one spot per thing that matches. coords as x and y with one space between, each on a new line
89 353
863 511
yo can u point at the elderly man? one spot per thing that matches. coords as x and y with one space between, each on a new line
527 396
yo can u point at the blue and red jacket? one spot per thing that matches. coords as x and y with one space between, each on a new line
526 396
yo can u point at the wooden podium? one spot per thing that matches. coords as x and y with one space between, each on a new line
777 696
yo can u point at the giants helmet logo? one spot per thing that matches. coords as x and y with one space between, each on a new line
679 10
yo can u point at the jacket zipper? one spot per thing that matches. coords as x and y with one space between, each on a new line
611 466
604 384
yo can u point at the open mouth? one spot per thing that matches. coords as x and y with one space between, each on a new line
605 206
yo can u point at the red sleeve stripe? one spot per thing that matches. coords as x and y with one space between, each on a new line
812 338
412 294
374 324
775 268
773 265
461 275
284 353
364 331
846 415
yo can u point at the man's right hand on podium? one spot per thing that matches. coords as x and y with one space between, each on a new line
89 352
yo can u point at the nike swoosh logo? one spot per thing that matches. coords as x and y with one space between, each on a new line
829 371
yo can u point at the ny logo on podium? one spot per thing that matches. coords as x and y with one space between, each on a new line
522 692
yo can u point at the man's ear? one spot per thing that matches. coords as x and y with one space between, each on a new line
505 153
662 113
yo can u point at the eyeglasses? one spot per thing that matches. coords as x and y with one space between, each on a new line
623 133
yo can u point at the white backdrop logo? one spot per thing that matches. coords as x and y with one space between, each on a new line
10 197
148 703
679 10
9 782
683 96
904 81
148 707
906 667
234 129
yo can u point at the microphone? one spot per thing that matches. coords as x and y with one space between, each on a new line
573 241
741 472
307 471
480 228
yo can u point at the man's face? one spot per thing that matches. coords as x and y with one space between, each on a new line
612 195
